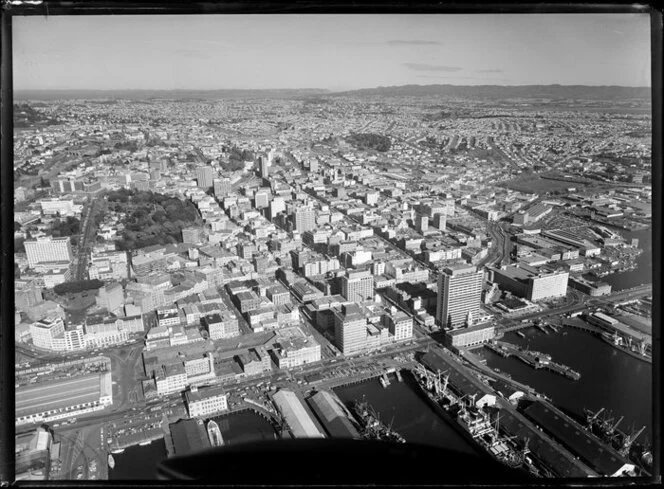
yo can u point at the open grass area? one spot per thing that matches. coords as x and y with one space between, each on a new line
534 184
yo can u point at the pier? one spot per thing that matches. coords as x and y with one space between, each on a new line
376 373
533 359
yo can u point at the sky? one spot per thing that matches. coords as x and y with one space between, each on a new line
334 52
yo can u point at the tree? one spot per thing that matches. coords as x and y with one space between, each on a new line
79 286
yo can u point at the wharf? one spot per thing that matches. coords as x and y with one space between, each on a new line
533 359
355 379
371 373
124 441
595 453
544 448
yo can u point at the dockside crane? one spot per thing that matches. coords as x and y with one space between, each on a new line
591 417
612 429
629 441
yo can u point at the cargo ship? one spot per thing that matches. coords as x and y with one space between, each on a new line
214 434
605 427
631 349
472 422
372 428
111 461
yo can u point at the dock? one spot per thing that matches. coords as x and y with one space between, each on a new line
533 359
547 451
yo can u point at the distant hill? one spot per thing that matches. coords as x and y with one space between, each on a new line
26 116
495 92
314 95
164 94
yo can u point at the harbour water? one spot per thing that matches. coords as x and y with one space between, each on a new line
138 462
404 408
643 272
610 379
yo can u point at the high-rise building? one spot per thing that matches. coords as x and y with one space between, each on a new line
530 282
422 223
440 221
276 205
304 219
222 187
263 165
357 286
44 250
350 329
204 176
459 293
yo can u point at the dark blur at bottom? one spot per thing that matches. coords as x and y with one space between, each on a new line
337 462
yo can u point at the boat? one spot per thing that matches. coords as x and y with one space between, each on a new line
371 427
616 342
144 443
519 333
214 434
473 423
119 450
111 461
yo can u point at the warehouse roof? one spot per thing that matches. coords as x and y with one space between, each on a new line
296 415
331 413
57 394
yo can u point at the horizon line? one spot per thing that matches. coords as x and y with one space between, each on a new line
327 89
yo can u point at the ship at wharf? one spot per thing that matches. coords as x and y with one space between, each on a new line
558 445
371 426
604 426
214 434
474 423
534 359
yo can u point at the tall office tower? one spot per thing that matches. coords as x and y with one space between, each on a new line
459 293
263 166
44 250
304 219
440 221
422 223
204 176
222 187
350 329
276 205
357 286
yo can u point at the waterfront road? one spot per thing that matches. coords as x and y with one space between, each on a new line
585 302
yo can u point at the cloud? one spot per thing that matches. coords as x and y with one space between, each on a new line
412 42
427 67
491 70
